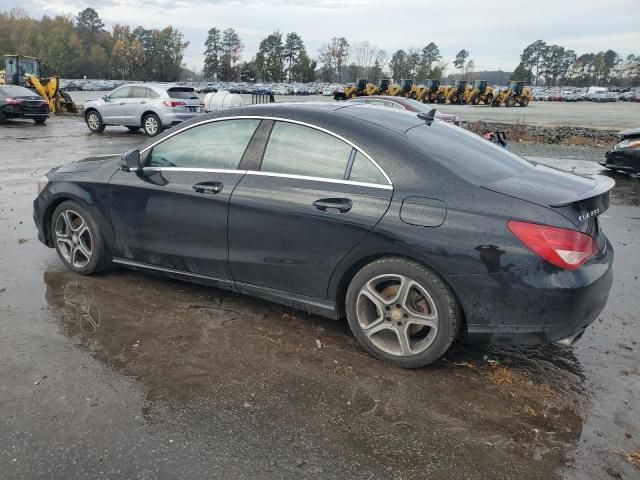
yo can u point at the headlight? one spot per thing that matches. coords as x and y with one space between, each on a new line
627 144
42 184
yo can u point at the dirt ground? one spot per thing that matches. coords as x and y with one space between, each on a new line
129 375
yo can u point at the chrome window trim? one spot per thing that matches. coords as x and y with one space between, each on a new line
269 174
319 179
193 169
278 119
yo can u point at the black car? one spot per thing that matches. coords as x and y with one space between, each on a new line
417 231
20 102
625 155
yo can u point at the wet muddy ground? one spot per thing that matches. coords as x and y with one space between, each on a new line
129 375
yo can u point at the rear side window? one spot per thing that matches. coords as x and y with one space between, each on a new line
184 93
299 150
466 154
363 170
138 92
216 145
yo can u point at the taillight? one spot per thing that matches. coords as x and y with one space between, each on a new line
563 248
173 103
13 101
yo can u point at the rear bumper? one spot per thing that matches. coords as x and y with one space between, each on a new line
537 305
15 111
172 118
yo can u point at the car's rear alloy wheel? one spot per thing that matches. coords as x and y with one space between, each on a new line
152 125
77 239
402 312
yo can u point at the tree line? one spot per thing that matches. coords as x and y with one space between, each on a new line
553 64
279 58
74 47
80 46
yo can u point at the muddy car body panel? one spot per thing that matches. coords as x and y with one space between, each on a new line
299 239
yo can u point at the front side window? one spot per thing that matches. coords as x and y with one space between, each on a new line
122 92
216 145
299 150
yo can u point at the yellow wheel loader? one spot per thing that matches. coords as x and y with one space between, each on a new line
357 89
478 92
25 71
515 94
453 94
402 90
379 89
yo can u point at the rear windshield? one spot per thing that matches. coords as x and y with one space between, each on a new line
468 155
182 92
17 92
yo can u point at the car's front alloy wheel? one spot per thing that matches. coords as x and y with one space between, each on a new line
401 312
77 239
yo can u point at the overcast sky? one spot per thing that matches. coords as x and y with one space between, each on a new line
495 33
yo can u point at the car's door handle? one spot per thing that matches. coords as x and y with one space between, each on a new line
142 103
121 103
343 205
208 187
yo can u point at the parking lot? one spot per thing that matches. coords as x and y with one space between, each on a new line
608 116
127 375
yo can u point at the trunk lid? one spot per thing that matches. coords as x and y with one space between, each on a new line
187 99
579 199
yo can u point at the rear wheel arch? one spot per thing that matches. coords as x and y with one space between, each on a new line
350 273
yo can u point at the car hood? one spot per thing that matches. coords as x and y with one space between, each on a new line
86 164
629 134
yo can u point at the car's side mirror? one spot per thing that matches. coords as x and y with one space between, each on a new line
131 161
105 98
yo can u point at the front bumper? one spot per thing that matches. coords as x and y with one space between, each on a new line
626 159
39 210
537 305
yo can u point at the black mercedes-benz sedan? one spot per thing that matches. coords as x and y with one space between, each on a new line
417 231
20 102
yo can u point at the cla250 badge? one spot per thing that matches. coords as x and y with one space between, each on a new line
590 214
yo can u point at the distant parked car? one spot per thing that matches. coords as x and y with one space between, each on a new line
625 155
407 104
151 106
70 87
20 102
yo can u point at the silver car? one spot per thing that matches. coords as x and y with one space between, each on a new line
150 106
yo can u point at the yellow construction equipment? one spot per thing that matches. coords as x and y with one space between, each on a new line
453 94
478 92
402 90
429 92
515 94
25 71
358 89
379 89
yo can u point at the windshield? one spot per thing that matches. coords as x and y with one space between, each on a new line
466 154
183 92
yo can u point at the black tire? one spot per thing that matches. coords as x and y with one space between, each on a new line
151 124
133 129
488 99
524 102
475 100
446 307
94 121
70 249
510 101
40 120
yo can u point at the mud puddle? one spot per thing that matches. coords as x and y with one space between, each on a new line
189 344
